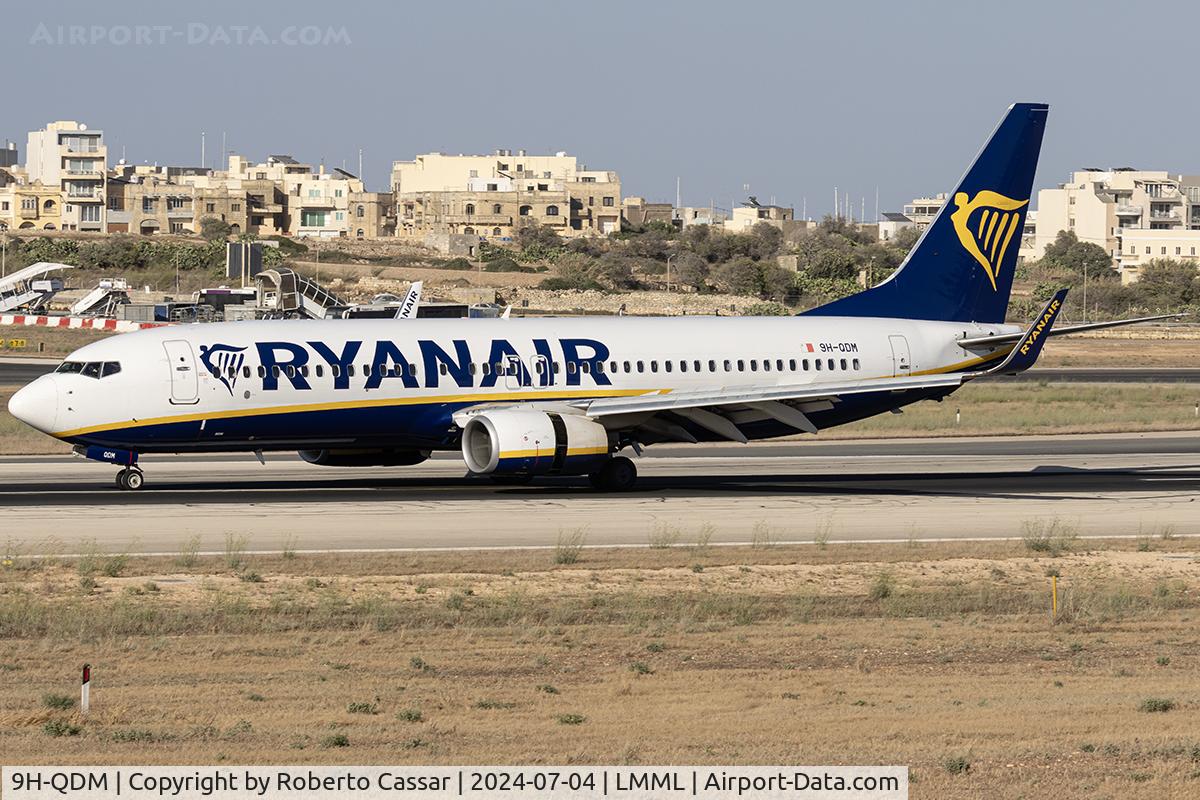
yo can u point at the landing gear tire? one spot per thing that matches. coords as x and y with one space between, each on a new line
618 474
130 479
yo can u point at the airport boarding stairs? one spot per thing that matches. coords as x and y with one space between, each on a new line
286 293
28 290
103 300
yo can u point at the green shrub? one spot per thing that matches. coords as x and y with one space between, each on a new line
571 719
58 727
1156 705
570 545
957 765
58 702
410 715
336 740
491 705
882 587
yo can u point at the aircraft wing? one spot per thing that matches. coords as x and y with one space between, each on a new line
716 409
709 408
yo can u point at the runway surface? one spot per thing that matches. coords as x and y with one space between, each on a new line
19 371
1116 485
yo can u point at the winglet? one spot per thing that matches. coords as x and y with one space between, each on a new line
1027 350
412 300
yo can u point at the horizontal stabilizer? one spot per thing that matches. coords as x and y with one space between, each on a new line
1009 338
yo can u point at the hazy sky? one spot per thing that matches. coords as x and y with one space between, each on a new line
791 98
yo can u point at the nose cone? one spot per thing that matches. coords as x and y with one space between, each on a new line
37 404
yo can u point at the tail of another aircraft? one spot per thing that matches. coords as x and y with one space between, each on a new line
961 268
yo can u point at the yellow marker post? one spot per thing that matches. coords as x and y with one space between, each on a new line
1054 596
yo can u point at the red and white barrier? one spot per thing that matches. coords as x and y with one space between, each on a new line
89 323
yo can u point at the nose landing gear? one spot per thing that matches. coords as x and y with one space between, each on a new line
130 478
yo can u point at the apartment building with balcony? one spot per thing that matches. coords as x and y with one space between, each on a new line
1100 206
922 210
490 196
68 155
29 206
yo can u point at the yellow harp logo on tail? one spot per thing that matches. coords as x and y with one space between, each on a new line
986 235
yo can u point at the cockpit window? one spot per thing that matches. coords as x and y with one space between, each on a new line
90 369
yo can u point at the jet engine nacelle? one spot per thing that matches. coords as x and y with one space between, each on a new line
531 442
364 457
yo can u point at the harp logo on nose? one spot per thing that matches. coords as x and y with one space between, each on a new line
985 225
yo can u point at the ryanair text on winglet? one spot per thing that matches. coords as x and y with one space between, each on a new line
1036 333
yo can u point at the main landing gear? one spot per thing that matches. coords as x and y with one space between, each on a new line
130 479
617 475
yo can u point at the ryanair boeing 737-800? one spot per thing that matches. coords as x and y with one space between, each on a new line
527 397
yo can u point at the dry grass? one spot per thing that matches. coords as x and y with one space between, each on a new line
479 658
990 408
1129 347
42 342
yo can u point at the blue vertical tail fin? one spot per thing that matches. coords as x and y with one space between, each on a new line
961 268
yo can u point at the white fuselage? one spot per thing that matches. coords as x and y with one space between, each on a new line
288 384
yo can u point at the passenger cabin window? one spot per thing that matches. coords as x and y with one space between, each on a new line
245 372
667 365
792 364
855 364
641 366
712 366
741 365
653 365
843 363
817 364
831 363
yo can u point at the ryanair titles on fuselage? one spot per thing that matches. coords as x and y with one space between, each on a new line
386 360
